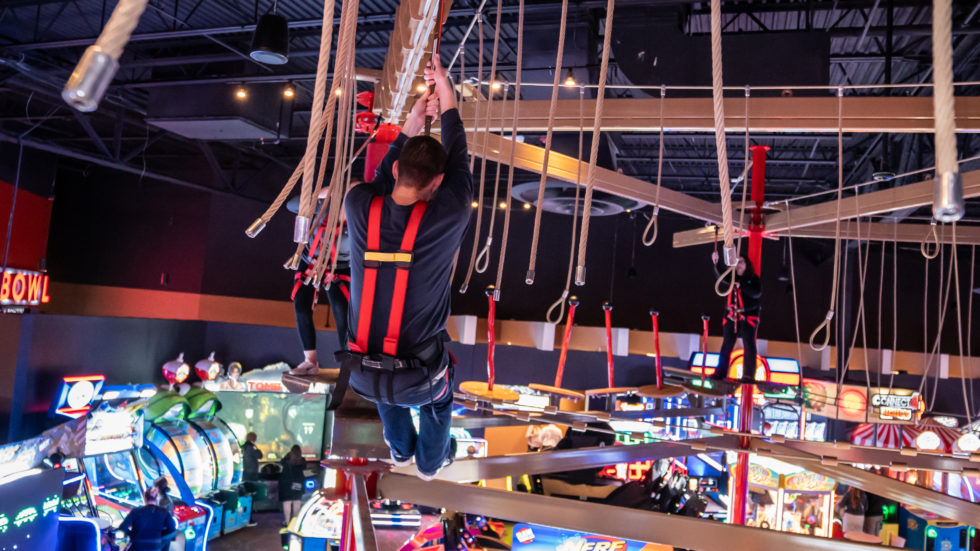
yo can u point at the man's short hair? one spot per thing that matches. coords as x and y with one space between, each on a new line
422 158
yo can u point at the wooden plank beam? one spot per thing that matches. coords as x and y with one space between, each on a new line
563 167
875 231
766 114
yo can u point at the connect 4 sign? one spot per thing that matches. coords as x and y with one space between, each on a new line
23 288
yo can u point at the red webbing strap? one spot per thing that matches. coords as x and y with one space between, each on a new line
607 310
370 278
491 340
316 240
656 347
401 281
564 342
704 349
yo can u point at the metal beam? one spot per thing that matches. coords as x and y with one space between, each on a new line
563 167
593 518
875 231
776 114
569 460
880 456
364 538
360 73
92 134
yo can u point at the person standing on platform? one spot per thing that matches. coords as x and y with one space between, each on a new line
741 319
405 228
854 505
291 481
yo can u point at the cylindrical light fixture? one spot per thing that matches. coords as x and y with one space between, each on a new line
270 42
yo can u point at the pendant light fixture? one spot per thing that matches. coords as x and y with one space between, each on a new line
270 42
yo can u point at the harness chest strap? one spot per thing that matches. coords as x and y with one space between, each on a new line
373 258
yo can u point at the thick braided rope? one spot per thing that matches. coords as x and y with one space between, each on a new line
583 240
307 201
513 149
718 96
942 92
483 161
462 82
560 303
483 259
654 223
552 111
316 130
825 324
114 37
730 274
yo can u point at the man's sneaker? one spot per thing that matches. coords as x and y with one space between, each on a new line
399 462
449 461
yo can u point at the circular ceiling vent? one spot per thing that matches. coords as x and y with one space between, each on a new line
559 198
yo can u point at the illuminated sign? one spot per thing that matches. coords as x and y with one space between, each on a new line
531 537
23 288
111 430
4 523
896 405
781 371
74 396
26 515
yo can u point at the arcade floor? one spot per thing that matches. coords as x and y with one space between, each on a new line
265 536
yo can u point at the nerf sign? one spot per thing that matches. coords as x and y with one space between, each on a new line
528 537
23 288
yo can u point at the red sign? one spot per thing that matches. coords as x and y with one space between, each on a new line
23 288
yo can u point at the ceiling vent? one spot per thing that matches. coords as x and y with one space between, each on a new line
559 198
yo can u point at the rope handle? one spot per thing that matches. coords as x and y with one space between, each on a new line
822 326
560 303
721 278
654 315
491 341
483 260
653 224
704 347
931 238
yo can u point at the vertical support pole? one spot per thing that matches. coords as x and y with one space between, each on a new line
740 478
607 312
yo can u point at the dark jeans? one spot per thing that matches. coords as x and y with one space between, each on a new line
747 333
430 445
303 306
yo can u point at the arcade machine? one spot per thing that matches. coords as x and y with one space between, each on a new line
930 532
113 444
29 496
226 461
169 441
786 498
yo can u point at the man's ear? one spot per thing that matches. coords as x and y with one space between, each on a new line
394 170
436 181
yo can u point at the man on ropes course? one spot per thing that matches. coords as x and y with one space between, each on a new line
741 319
405 228
305 295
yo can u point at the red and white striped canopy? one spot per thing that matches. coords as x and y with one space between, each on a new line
902 436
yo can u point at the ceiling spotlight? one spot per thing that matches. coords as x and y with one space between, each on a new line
570 78
474 204
289 92
270 41
421 88
495 85
241 93
502 205
337 91
527 206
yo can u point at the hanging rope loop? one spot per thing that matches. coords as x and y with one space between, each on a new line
728 275
483 259
654 224
930 238
560 303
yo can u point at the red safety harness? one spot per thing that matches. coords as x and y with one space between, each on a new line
303 277
736 309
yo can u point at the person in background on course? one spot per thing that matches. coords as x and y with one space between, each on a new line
741 319
250 458
291 481
854 505
149 527
421 196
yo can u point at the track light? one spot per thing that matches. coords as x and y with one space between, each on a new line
241 93
495 85
527 206
289 92
474 204
421 88
338 91
502 205
570 78
270 42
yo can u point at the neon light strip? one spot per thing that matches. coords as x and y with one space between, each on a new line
77 378
73 480
207 523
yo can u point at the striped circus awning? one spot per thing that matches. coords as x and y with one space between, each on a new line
903 436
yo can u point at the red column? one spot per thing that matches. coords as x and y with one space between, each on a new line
740 477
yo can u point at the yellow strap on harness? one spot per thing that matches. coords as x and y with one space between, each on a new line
377 256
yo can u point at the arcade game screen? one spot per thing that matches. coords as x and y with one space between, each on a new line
29 509
115 484
184 447
279 421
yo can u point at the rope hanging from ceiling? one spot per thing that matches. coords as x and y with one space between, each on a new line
549 133
513 147
583 240
318 123
654 225
948 204
483 259
718 100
